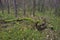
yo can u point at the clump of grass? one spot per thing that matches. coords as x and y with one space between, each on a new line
17 33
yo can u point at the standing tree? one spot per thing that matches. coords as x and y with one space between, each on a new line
34 7
1 5
15 8
42 6
57 8
39 1
7 1
24 6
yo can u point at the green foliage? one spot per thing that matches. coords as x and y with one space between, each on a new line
17 33
22 30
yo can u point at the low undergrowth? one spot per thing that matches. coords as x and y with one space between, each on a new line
22 28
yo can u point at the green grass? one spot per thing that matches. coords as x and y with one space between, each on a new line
22 30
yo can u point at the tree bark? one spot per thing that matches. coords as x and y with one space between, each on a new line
15 8
7 1
39 5
42 8
1 5
24 7
34 7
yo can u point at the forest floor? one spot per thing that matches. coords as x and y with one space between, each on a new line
13 29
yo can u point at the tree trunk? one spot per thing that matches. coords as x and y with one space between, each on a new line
1 5
7 1
42 6
34 7
24 7
39 5
15 8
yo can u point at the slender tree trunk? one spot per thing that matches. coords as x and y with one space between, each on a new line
0 4
2 7
58 8
7 1
42 8
24 7
39 5
15 8
34 7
